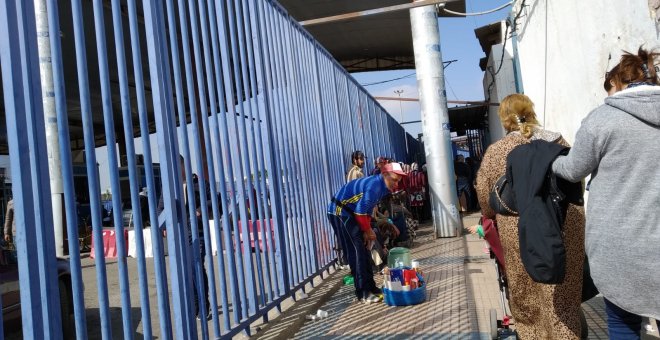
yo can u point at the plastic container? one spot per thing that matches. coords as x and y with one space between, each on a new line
399 257
406 298
397 275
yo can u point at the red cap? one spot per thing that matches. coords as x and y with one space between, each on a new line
393 167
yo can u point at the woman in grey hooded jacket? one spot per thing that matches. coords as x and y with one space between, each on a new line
619 145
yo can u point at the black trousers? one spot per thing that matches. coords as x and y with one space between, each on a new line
357 254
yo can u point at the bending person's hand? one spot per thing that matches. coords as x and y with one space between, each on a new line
396 231
368 235
476 229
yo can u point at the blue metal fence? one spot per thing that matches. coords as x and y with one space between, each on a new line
236 92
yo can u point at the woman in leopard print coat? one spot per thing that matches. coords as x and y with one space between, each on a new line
541 311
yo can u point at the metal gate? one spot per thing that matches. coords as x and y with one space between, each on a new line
235 92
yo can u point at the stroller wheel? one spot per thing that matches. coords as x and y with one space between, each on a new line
493 324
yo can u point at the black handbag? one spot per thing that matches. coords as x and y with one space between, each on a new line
501 198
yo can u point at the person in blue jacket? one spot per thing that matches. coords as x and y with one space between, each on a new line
349 213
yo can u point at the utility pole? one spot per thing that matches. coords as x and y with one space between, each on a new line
50 120
435 121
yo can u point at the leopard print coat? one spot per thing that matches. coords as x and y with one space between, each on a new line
540 311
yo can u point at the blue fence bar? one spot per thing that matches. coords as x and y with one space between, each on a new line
207 126
223 158
284 158
133 182
252 170
27 139
241 166
94 187
258 83
192 199
159 265
159 67
108 121
67 168
233 91
272 106
249 15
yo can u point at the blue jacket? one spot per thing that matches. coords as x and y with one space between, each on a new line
360 196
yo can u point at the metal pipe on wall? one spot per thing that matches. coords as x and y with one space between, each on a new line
435 121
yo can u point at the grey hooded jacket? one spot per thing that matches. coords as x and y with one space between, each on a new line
619 145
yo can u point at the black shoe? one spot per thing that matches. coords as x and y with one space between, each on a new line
208 317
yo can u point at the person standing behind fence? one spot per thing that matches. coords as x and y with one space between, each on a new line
463 184
10 222
615 144
416 189
356 170
380 161
349 213
202 248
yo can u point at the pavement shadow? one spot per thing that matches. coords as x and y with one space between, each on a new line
117 328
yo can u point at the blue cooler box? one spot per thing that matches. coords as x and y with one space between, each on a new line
412 297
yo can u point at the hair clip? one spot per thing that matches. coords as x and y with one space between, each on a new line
647 74
520 120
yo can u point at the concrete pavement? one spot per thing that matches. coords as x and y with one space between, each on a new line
462 289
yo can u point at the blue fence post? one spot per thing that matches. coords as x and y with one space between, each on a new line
257 82
67 168
208 125
228 54
132 171
197 267
35 240
250 149
159 266
274 159
302 200
223 155
324 147
172 195
293 178
286 193
108 120
92 173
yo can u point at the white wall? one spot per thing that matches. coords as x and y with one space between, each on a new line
563 52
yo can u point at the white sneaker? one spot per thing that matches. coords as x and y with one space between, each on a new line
371 298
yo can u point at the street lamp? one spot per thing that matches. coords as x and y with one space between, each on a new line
405 137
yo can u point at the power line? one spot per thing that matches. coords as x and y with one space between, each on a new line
490 69
506 32
450 88
442 7
445 65
389 80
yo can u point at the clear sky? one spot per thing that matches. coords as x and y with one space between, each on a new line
463 78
